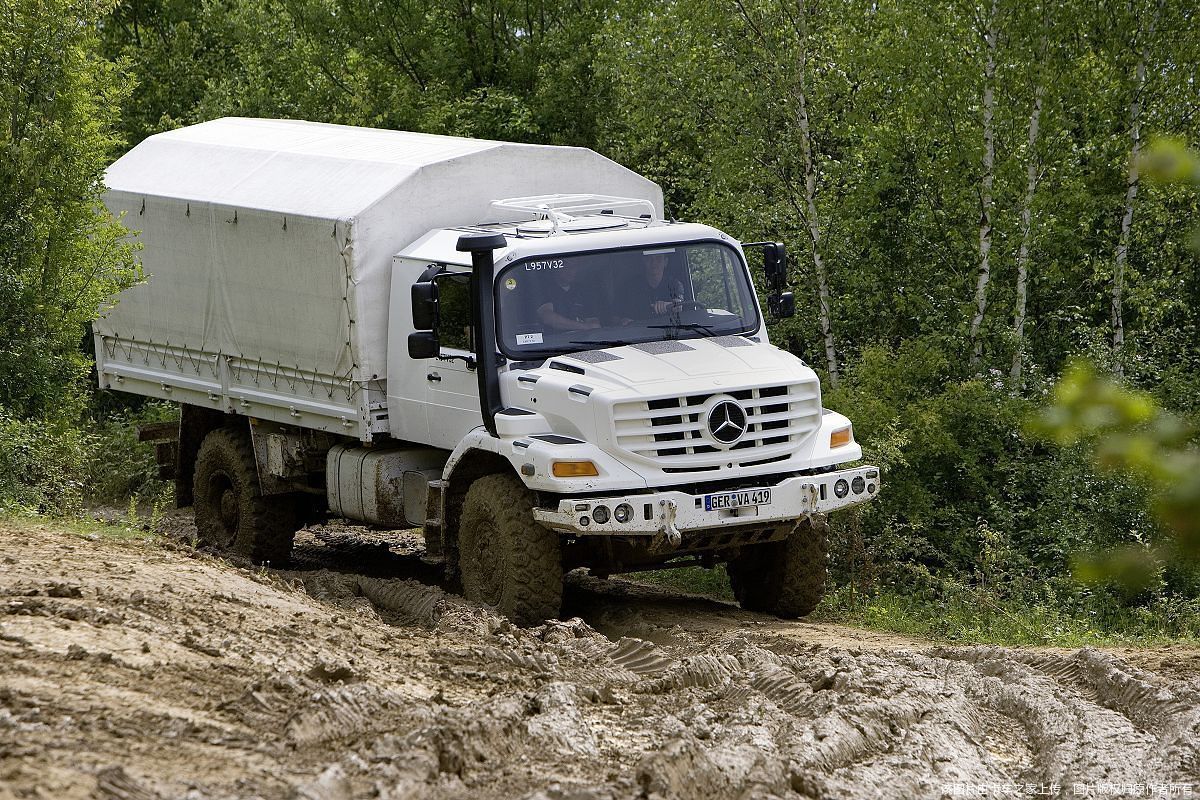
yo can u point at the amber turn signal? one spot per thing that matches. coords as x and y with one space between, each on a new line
574 469
840 437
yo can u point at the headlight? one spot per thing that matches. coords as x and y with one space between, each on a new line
623 513
600 514
841 488
858 484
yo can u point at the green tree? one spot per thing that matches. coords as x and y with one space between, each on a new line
497 69
61 254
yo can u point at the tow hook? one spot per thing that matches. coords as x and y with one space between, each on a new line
813 499
668 534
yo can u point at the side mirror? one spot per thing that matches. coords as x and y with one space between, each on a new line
423 344
780 305
425 305
775 265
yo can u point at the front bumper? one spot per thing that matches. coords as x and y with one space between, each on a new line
673 513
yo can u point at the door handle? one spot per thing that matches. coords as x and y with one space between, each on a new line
433 376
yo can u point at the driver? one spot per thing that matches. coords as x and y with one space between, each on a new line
565 305
654 295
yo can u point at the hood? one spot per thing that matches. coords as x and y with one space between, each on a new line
675 367
649 405
577 393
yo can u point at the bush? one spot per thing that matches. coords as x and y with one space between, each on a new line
56 468
119 467
41 465
968 496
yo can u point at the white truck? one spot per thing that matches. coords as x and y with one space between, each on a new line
504 344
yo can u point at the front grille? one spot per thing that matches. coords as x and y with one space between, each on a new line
672 432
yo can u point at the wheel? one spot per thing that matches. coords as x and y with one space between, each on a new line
231 514
507 560
783 578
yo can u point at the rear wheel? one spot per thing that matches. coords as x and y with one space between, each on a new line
507 560
232 515
783 578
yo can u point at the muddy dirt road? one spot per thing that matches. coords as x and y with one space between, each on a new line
134 670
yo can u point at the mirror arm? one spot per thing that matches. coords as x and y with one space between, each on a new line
468 360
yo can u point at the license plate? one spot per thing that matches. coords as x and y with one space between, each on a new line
748 497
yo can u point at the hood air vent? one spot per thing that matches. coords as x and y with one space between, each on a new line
662 348
593 356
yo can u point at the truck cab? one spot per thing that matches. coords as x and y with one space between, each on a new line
626 378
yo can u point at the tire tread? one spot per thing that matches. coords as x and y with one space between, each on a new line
268 524
528 555
784 578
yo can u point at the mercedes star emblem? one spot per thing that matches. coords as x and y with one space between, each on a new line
727 422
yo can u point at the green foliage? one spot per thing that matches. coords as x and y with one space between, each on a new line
968 495
1127 432
57 466
693 580
61 254
972 614
503 69
41 465
119 468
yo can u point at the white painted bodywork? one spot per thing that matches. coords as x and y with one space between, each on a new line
446 413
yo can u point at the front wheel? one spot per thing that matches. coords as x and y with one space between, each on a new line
507 560
783 578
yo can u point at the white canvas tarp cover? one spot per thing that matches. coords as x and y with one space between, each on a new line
270 241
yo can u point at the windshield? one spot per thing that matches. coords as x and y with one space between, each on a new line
549 305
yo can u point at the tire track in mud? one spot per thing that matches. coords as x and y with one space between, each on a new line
353 675
828 721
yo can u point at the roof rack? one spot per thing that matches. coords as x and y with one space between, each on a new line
562 208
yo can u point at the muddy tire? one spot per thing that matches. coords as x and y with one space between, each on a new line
783 578
231 514
507 560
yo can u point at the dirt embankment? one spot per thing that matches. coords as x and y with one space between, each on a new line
139 671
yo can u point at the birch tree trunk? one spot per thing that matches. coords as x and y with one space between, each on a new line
810 202
1032 173
985 190
1131 190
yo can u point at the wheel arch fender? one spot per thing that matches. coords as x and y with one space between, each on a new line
478 454
195 423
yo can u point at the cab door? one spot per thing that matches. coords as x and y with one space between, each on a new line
452 385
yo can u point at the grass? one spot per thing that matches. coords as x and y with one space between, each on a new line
977 616
123 529
971 615
693 580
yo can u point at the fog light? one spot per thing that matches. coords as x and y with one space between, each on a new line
600 514
840 438
574 469
858 485
841 488
623 513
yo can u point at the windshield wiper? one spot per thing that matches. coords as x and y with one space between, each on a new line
601 342
691 326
